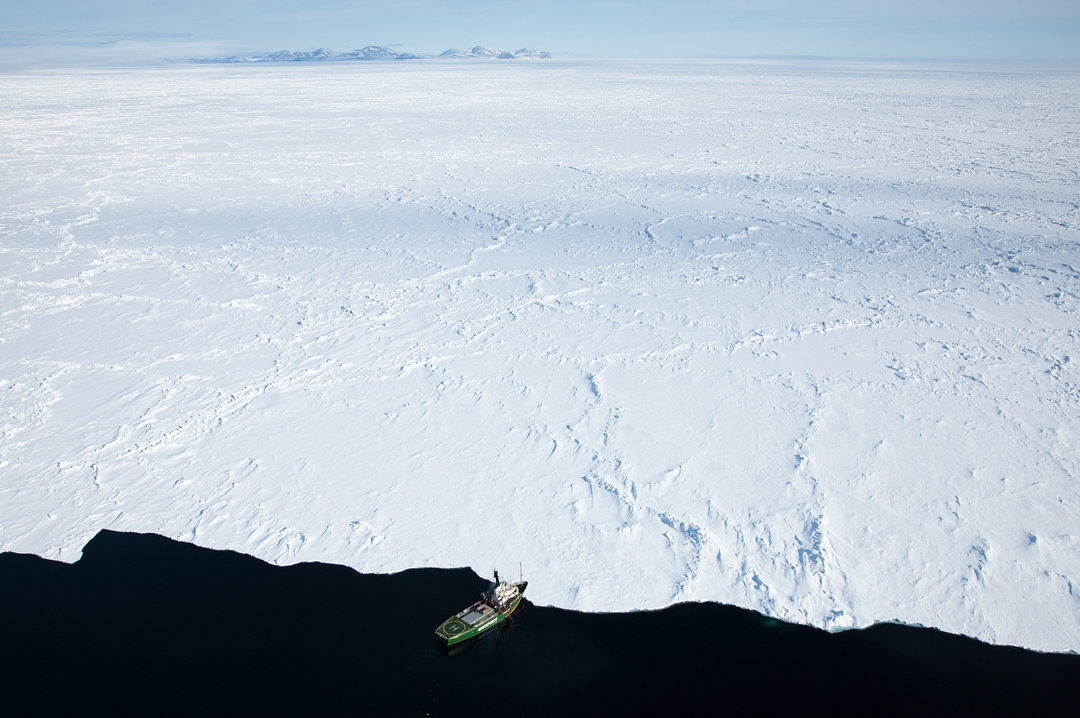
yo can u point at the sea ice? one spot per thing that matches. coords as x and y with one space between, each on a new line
796 336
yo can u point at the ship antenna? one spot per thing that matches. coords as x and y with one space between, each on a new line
521 576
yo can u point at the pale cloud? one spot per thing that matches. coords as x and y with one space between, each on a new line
84 39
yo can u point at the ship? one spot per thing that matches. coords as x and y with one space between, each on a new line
493 609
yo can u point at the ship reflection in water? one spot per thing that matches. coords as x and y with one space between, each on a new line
145 625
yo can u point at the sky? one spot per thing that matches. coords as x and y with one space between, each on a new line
104 31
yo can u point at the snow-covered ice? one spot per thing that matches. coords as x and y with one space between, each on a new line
800 337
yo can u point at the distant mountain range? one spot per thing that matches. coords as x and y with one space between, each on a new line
378 52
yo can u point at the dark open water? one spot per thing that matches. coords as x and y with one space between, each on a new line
143 625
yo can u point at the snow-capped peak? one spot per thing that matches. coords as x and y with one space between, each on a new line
490 53
378 52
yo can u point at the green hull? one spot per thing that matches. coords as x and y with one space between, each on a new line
475 620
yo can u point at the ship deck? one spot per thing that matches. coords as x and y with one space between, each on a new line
476 613
476 617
